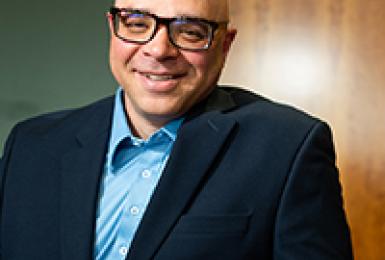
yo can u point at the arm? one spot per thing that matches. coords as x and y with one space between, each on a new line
311 222
3 164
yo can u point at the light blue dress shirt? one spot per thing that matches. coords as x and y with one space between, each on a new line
132 170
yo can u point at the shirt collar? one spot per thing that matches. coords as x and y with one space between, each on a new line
120 129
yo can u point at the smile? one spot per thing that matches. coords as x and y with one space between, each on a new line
161 77
160 82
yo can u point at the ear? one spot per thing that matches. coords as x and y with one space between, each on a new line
110 22
228 40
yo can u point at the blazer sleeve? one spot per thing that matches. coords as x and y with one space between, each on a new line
3 165
311 222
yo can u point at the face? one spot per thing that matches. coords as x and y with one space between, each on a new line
160 81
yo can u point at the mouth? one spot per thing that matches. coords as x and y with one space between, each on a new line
161 77
160 82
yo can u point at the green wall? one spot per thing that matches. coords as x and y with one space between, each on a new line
53 55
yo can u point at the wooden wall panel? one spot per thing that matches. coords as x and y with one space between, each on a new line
327 57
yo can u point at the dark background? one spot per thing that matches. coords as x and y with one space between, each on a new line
53 55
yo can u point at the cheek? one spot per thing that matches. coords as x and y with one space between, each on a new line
207 65
121 52
199 61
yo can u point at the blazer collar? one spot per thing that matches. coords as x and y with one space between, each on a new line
201 138
81 168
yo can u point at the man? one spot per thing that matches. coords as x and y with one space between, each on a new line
172 167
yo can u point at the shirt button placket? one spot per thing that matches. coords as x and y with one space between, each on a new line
123 251
146 174
134 210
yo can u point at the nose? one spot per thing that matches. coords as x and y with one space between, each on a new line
160 47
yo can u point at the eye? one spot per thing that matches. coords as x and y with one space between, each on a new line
192 34
192 31
137 23
136 26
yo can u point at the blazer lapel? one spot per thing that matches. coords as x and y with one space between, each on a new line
81 170
199 141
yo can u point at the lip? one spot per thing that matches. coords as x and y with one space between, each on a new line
159 82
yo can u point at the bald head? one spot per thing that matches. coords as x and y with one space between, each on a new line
226 9
217 10
220 7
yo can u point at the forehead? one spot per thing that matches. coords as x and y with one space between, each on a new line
209 9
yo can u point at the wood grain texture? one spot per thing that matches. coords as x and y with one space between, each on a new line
328 58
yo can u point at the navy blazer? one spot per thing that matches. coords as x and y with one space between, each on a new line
246 179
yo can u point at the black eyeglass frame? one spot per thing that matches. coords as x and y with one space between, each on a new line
213 25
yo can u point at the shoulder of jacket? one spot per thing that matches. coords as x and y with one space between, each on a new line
255 110
251 103
47 121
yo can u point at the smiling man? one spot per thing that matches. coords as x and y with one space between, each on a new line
172 166
167 66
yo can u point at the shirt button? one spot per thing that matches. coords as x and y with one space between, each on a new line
123 251
146 174
134 210
137 142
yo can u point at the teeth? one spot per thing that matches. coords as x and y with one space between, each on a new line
159 77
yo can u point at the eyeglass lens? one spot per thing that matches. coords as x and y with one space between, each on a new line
184 33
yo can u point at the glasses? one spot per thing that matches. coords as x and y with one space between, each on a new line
187 33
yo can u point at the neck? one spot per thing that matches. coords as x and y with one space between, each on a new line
143 127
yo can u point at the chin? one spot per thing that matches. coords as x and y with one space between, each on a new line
164 112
